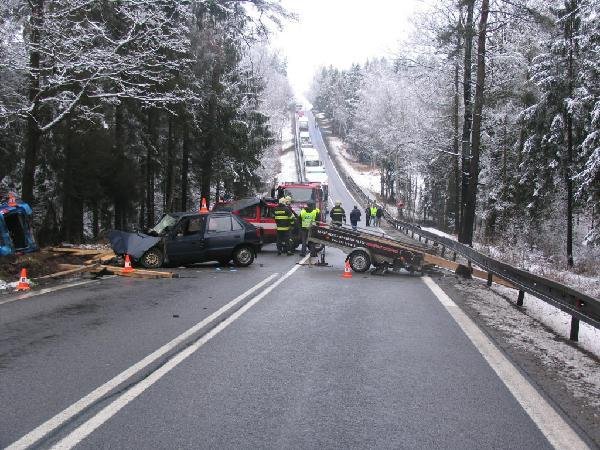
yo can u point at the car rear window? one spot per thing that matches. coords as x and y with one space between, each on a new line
236 225
219 224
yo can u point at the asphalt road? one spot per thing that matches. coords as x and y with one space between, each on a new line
306 360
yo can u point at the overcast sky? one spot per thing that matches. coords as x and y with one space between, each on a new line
340 32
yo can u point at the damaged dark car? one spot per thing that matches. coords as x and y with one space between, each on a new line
189 238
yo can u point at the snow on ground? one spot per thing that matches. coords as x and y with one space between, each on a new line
440 233
524 331
288 166
367 178
288 157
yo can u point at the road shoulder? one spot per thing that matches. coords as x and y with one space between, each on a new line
561 371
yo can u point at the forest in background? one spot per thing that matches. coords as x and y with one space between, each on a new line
487 119
114 112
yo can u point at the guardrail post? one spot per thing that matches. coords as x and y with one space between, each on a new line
520 299
443 250
574 336
412 234
426 240
489 279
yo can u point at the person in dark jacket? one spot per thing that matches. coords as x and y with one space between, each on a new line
355 217
284 221
368 216
379 215
337 214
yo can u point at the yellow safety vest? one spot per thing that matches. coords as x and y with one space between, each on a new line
373 211
308 218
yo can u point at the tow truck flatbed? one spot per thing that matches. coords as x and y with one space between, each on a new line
366 248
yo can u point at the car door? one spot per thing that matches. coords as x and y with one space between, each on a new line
187 243
221 237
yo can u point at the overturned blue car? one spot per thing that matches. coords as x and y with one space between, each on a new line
16 232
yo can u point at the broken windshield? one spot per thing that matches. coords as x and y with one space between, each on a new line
167 221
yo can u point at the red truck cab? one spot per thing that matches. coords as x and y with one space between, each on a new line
304 193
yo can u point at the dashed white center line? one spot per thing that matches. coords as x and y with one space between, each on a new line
76 408
131 394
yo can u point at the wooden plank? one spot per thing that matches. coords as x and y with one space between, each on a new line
441 262
67 272
77 251
102 258
137 273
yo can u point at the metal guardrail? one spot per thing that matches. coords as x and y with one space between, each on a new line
579 305
297 150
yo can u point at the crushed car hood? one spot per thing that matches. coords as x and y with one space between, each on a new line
133 244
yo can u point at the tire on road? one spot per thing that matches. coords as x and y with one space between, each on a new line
243 256
360 261
152 259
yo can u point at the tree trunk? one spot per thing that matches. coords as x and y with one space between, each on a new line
185 165
471 201
467 123
170 166
36 23
570 25
118 201
456 143
151 150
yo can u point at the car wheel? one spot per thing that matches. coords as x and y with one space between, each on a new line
243 256
360 261
152 259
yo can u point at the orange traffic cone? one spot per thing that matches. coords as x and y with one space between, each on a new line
128 268
203 208
23 281
347 271
12 199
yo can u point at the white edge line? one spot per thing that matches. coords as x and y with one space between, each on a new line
558 432
88 427
47 427
46 291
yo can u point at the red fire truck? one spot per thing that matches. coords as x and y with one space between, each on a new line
304 193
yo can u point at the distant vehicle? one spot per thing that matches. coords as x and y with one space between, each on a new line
16 231
258 212
303 123
188 238
304 138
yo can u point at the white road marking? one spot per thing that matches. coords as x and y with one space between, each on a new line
88 427
59 419
46 291
558 432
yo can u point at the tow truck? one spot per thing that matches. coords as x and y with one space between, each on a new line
365 249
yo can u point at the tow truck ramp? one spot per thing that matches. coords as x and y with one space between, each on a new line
366 249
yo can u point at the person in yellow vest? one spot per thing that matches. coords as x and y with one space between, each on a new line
284 221
373 211
308 216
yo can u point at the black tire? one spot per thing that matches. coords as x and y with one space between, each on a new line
152 259
360 261
243 256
